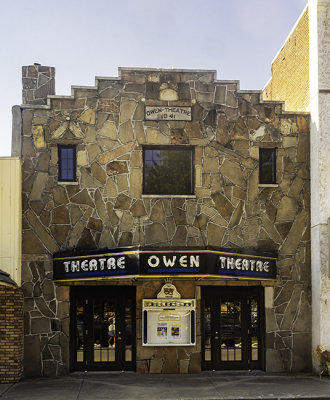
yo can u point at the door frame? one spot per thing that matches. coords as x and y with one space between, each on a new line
120 293
214 294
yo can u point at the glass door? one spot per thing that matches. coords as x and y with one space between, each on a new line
232 328
103 328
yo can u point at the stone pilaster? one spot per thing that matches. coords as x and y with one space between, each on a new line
38 82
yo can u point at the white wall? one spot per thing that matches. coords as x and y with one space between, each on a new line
319 44
10 217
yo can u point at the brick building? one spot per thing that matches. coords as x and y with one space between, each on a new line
165 223
300 77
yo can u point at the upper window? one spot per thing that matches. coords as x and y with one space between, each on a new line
168 170
66 163
267 166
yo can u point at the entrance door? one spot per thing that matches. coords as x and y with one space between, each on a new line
102 328
232 328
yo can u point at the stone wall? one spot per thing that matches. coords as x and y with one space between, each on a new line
38 82
11 334
105 208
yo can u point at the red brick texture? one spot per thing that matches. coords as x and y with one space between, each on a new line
11 334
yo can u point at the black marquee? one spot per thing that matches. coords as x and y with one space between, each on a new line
142 261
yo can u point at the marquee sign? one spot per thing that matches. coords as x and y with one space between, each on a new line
169 113
145 262
96 265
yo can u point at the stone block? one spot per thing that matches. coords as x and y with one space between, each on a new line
233 172
220 94
195 363
126 239
154 136
138 209
98 173
93 151
88 116
127 108
210 164
60 215
291 242
123 202
31 243
240 131
40 325
223 205
274 361
157 212
156 366
126 133
302 355
86 240
59 195
108 130
215 234
83 197
110 189
180 237
155 233
38 186
126 223
135 186
95 224
43 308
32 358
38 137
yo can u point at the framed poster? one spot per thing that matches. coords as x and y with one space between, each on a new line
169 322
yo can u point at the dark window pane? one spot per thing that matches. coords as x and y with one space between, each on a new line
168 171
267 165
67 163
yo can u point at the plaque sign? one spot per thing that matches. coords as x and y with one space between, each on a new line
168 113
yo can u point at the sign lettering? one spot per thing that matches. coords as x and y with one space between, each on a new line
177 113
139 261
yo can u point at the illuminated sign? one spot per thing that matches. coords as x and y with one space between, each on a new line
146 261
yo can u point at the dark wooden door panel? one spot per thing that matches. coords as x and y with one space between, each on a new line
232 328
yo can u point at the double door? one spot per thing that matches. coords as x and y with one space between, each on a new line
232 328
102 333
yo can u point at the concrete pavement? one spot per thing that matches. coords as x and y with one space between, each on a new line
207 385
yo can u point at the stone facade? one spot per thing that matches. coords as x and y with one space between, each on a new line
105 207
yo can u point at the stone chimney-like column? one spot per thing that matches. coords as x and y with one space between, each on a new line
38 82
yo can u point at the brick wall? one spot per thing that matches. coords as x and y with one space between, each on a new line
11 334
290 70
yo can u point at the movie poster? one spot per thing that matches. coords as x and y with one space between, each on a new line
162 330
176 331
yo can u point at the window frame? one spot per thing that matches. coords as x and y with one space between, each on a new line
273 151
61 147
191 149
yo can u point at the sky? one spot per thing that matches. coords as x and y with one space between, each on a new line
84 38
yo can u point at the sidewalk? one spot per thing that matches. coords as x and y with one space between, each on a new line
207 385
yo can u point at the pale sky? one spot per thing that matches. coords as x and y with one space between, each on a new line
84 38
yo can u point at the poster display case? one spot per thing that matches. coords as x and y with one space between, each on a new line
169 322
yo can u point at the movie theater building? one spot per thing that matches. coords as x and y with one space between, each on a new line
166 225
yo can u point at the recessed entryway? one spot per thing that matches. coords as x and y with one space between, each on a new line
103 328
232 328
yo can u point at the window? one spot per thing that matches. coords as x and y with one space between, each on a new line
267 166
168 170
67 163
